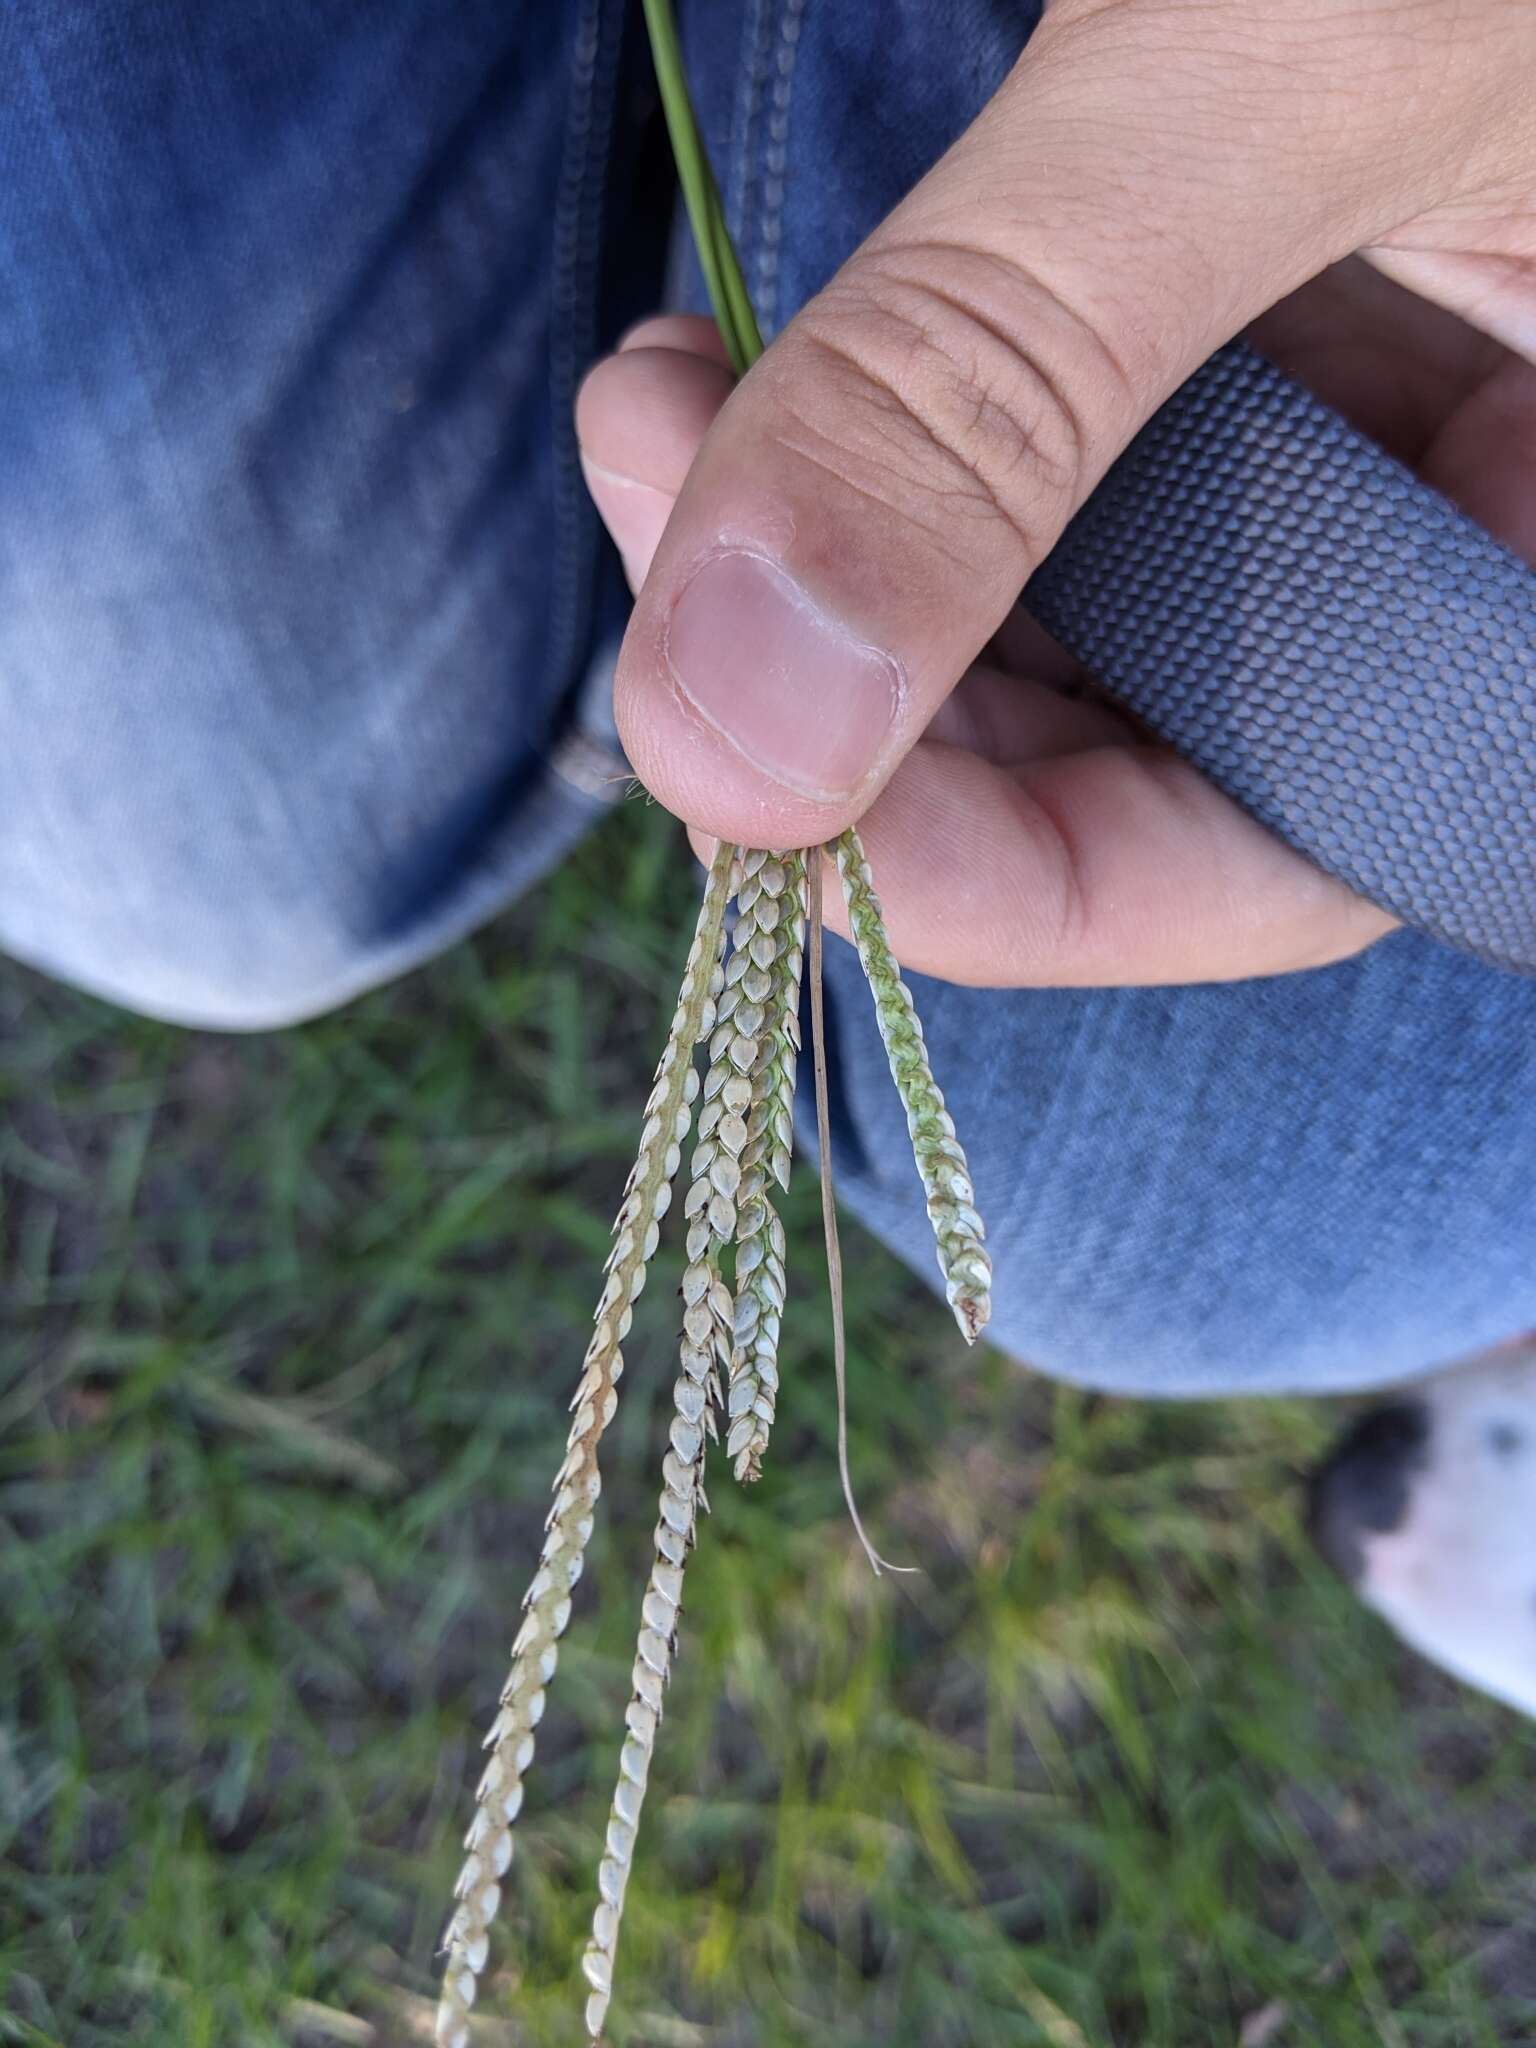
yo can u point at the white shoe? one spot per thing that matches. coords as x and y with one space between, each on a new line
1428 1507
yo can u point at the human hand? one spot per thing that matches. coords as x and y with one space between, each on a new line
858 519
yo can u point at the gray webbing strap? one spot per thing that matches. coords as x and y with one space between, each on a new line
1331 642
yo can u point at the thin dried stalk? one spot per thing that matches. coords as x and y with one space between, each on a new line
772 907
878 1564
547 1603
958 1230
704 1352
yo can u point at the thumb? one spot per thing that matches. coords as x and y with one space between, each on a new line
871 499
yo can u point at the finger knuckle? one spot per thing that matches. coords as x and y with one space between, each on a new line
941 389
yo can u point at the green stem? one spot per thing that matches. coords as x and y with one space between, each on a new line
701 195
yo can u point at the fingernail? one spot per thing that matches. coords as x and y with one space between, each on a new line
806 701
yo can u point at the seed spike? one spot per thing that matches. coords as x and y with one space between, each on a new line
547 1605
705 1349
778 911
941 1163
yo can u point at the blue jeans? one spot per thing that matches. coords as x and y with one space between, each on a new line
305 628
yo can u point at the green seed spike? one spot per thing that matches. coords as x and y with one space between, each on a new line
941 1164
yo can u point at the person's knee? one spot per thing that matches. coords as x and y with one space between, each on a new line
246 961
212 829
222 995
186 843
256 874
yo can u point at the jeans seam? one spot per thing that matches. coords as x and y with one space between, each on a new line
756 47
577 236
776 158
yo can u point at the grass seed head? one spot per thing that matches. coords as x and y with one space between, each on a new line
547 1603
958 1230
703 1355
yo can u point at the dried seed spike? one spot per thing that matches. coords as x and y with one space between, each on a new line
547 1607
706 1345
941 1164
754 1377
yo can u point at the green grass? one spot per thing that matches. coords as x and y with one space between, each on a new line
290 1327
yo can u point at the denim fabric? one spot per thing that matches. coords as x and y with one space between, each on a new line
1316 1182
297 572
820 114
304 629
